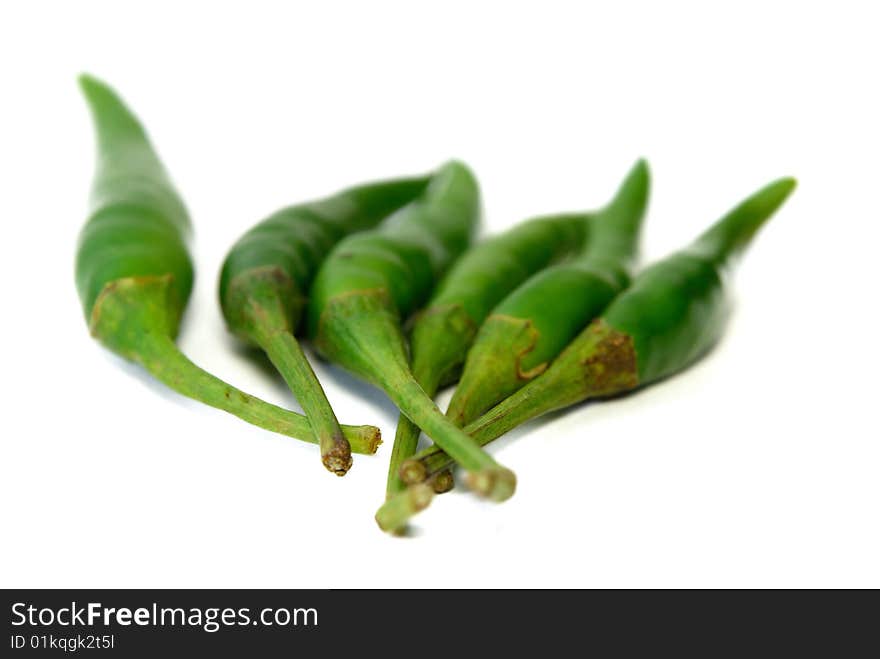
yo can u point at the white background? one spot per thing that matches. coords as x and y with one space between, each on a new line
758 467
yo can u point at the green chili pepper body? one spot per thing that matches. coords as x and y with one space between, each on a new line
445 329
671 315
373 279
267 274
292 242
407 252
137 223
532 325
134 274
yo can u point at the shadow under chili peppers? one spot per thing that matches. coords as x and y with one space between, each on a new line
699 362
143 376
158 388
362 390
536 424
329 372
256 357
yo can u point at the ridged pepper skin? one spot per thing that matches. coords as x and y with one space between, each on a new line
134 273
292 242
137 224
267 274
533 324
672 314
445 329
408 252
374 279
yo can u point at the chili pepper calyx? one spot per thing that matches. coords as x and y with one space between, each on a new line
439 343
609 360
496 367
261 301
134 310
360 330
601 361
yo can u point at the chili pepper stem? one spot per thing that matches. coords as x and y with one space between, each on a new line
601 361
527 403
406 443
486 476
286 354
358 330
435 360
441 338
261 303
406 438
396 511
442 482
131 316
415 469
164 360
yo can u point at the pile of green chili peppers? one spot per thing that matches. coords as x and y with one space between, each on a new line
386 280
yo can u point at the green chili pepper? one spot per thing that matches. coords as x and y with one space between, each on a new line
532 325
134 274
267 274
445 329
671 315
373 279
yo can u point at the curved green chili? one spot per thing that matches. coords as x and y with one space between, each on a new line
532 325
373 279
445 329
134 274
267 274
671 315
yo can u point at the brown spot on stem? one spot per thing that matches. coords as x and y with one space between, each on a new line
338 458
